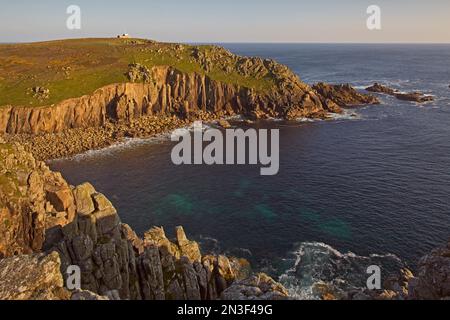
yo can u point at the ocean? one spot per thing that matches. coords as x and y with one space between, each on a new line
356 191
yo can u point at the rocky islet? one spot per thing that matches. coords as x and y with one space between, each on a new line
418 97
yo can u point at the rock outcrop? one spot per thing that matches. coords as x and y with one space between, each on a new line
48 226
32 277
433 277
32 200
171 92
257 287
418 97
343 96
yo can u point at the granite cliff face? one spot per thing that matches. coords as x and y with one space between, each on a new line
167 86
171 92
32 200
48 226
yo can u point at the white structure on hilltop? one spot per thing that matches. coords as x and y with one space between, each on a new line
124 36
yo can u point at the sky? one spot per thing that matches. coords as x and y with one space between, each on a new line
229 20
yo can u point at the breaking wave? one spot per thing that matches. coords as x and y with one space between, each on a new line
317 268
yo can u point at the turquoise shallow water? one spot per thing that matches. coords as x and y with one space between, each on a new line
375 184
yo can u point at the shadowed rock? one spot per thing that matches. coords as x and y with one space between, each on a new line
342 95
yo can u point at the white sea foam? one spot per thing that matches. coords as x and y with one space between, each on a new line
316 266
127 143
346 115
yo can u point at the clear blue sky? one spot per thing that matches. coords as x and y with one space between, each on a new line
229 20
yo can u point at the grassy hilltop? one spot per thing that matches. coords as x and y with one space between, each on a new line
73 68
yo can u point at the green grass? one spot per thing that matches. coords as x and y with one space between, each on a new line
95 63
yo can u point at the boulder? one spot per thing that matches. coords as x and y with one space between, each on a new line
105 215
32 277
83 199
257 287
189 249
85 295
60 198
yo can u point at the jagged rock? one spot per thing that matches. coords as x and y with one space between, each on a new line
132 238
27 190
84 295
433 278
113 261
60 198
32 277
224 124
157 237
189 278
106 215
414 97
397 286
378 88
411 96
258 287
83 198
138 73
189 249
40 93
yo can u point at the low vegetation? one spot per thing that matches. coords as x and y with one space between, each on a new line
45 73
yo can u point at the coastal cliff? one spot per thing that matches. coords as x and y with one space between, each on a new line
48 225
62 98
170 92
166 79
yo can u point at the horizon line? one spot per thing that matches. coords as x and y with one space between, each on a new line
243 42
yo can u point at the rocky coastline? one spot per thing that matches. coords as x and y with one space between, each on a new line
49 225
106 118
198 83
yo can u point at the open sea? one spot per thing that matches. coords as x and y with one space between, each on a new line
353 192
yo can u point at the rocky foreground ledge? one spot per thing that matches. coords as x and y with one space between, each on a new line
46 225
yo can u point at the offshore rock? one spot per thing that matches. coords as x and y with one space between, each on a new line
411 96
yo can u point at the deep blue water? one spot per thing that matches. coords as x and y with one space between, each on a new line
377 184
